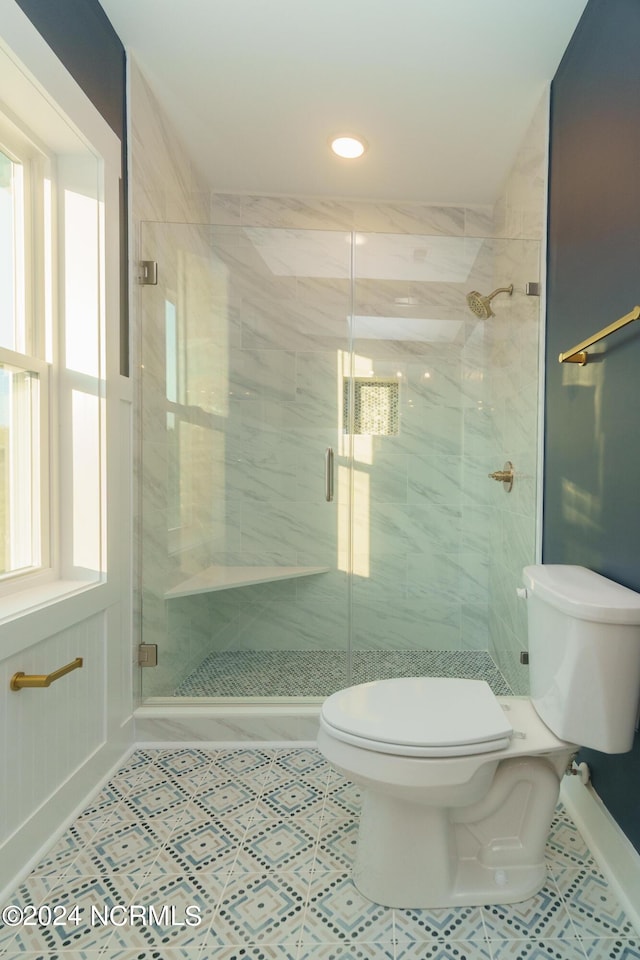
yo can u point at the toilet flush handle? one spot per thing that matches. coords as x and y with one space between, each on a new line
522 593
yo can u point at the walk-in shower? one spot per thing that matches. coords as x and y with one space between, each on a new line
261 349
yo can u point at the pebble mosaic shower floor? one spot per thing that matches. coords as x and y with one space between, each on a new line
318 673
261 842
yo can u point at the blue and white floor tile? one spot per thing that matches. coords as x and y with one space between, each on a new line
261 842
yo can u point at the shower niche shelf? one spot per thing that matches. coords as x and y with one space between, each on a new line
227 578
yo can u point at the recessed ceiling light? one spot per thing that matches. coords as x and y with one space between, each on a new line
350 148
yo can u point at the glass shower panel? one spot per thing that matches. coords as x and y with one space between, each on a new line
245 564
441 398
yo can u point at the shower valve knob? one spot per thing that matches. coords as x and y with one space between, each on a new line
504 476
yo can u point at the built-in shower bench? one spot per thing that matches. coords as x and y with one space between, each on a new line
226 578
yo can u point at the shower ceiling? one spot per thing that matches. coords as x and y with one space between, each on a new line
443 90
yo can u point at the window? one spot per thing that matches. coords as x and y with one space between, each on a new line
51 357
24 372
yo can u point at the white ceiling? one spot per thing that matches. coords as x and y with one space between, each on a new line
442 90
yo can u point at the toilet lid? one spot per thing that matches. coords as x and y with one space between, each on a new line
420 712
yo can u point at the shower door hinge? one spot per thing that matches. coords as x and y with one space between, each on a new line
148 655
148 272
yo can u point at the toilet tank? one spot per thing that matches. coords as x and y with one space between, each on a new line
584 655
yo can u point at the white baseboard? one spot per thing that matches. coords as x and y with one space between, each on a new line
616 855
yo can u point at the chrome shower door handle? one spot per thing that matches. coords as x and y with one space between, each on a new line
328 474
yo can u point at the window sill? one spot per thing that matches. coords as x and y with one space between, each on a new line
29 615
33 598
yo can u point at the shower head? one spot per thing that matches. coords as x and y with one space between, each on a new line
481 306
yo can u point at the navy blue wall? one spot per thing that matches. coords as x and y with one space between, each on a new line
82 37
592 430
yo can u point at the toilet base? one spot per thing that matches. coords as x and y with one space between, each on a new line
411 855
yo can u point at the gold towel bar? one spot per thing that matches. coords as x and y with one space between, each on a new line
579 353
20 680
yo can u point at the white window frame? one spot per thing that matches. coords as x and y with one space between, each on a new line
37 89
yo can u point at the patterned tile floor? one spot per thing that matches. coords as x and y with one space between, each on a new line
318 673
261 842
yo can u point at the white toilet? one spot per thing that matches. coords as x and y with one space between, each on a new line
459 786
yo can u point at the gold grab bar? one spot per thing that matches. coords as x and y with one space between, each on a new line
579 353
20 680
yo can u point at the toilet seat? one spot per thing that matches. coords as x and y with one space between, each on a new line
418 717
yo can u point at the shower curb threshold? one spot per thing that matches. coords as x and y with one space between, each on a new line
217 706
215 721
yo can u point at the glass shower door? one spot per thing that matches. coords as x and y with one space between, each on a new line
245 478
419 582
